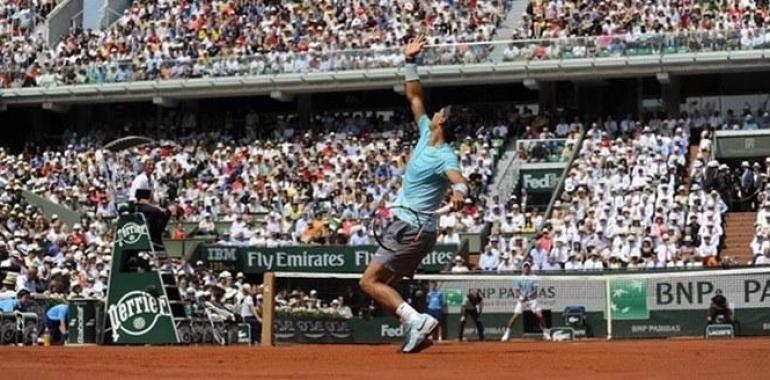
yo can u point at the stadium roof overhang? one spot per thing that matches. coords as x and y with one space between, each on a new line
378 79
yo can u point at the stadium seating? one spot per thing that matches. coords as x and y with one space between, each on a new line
169 40
624 205
558 19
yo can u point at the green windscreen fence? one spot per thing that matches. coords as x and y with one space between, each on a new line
616 305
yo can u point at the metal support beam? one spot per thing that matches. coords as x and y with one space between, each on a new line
162 101
281 96
531 84
671 93
591 83
55 107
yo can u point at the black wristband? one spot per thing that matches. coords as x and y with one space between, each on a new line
410 59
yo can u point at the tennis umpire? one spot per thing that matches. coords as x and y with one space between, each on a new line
142 191
432 168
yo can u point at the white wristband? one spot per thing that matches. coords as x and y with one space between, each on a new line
460 188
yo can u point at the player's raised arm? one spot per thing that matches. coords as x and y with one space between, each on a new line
413 88
459 188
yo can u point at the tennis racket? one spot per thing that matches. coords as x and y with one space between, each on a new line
383 218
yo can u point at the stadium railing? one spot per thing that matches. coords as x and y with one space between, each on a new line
624 45
553 149
557 191
560 186
301 72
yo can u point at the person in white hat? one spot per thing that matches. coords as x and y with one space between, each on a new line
506 264
226 279
708 245
8 287
459 266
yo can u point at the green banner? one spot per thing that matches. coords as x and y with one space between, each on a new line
84 317
541 180
389 330
308 329
733 147
327 259
629 299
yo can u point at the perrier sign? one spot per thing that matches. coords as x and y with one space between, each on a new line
138 307
137 313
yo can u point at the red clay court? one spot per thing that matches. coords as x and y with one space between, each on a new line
631 359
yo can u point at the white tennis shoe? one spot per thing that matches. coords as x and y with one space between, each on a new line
416 331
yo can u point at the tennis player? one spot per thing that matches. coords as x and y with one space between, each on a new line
527 288
432 169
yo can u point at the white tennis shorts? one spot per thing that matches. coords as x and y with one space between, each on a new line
522 306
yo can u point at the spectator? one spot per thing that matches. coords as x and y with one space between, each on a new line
459 265
764 258
489 260
28 281
506 265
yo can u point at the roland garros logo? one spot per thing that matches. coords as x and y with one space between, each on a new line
130 233
136 313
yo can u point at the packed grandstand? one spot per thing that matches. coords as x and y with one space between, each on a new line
626 203
154 40
638 193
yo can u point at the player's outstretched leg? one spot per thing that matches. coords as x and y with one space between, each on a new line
508 327
541 323
377 282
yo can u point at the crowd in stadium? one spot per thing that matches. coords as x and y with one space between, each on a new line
172 39
298 188
314 186
557 19
19 18
629 203
577 29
